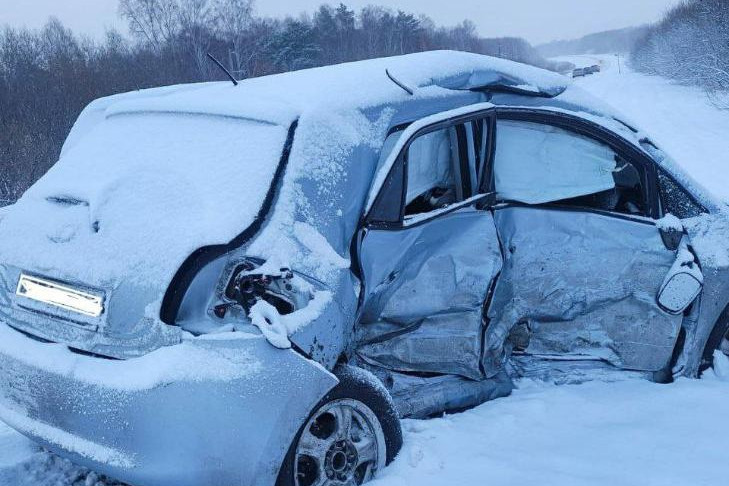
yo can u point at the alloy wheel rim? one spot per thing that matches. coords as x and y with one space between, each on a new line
342 444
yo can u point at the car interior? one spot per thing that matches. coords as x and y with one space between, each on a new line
534 163
432 162
626 197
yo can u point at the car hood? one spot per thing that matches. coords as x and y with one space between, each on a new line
127 204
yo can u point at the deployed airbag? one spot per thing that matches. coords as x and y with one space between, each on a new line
537 163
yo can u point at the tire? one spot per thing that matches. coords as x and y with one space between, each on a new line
718 340
336 454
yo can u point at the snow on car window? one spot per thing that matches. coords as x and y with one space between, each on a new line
537 163
675 199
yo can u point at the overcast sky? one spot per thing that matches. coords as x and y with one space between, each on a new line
536 20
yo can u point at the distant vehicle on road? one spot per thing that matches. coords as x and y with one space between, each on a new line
592 69
579 72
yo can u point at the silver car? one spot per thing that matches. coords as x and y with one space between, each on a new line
252 284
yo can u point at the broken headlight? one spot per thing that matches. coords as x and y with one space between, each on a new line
249 284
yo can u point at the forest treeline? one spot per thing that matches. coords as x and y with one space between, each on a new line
691 45
48 76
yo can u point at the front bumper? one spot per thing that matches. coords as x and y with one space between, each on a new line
205 412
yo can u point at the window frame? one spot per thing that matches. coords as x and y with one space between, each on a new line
663 171
371 218
580 126
458 180
643 162
692 200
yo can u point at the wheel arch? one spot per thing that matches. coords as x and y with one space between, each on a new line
719 330
354 376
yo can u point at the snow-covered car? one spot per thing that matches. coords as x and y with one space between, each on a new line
252 284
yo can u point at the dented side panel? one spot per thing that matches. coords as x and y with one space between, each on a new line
584 284
424 292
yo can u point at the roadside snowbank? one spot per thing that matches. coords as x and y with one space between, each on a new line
14 449
631 432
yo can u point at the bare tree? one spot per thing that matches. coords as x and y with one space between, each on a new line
195 37
156 22
691 45
234 20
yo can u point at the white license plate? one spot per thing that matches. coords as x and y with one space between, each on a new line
52 293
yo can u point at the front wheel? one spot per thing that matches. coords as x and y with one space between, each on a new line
718 341
351 435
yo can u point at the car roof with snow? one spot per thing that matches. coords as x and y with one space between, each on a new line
280 99
283 97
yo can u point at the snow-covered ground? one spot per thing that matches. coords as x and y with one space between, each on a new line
626 432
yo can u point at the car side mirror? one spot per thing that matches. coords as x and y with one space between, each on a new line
682 285
679 292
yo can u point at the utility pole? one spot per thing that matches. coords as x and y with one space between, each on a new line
620 71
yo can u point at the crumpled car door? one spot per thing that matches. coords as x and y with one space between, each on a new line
424 293
584 261
582 284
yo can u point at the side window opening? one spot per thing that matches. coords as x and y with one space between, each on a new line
468 160
543 164
437 169
480 128
626 197
434 166
629 188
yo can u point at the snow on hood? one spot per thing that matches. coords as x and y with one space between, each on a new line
136 196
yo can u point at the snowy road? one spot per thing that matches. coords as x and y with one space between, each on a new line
629 432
